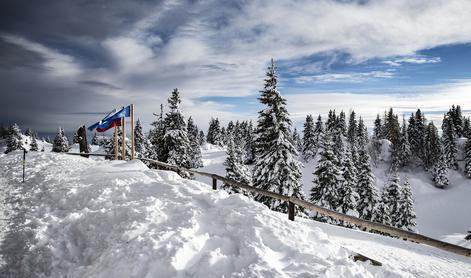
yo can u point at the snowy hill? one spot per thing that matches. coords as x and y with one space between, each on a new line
77 217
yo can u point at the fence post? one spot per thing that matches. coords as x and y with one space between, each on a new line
291 211
215 183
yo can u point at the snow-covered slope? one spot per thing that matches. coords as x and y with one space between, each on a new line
77 217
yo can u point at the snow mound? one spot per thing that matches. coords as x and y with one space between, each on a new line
78 217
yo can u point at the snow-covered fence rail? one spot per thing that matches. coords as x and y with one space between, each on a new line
364 224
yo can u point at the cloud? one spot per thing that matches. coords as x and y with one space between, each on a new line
351 77
413 60
56 63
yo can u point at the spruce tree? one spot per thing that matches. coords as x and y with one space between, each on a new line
352 131
440 171
309 148
378 128
348 196
202 138
235 168
298 143
393 199
449 143
432 146
331 122
392 128
362 134
318 131
407 211
109 145
142 144
195 150
367 191
176 143
276 168
33 146
61 143
467 158
327 178
402 152
467 127
249 144
156 136
14 139
342 123
95 139
383 214
214 135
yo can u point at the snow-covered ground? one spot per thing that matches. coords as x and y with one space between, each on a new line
78 217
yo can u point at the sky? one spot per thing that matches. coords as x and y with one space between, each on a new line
68 63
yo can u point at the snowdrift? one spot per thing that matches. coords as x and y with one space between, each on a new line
77 217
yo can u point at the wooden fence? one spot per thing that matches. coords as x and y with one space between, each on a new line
292 202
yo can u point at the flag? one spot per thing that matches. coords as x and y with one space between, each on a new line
111 120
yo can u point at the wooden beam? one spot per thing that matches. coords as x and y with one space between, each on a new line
132 131
115 143
123 143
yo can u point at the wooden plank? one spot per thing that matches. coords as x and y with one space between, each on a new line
291 211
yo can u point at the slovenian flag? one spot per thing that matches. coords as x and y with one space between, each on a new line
111 120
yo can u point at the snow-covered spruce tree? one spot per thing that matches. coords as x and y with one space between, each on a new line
416 134
156 136
348 195
352 131
309 140
318 131
432 146
249 144
449 143
455 115
229 133
328 178
14 139
440 171
176 144
383 214
378 128
467 158
202 138
391 127
214 135
362 134
94 139
467 127
195 150
141 143
298 143
394 196
276 168
342 123
331 122
33 146
407 211
235 168
367 191
402 152
61 143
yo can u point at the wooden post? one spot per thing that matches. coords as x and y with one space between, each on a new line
215 183
115 143
123 151
24 163
132 131
291 211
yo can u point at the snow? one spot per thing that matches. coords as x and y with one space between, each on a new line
78 217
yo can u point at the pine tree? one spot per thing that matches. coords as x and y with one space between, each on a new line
467 158
235 169
95 139
156 136
61 143
391 127
33 146
176 143
402 153
342 123
407 211
367 191
318 131
249 144
348 196
467 127
14 139
331 122
352 128
309 148
449 143
276 168
195 150
440 171
141 143
327 178
202 138
432 146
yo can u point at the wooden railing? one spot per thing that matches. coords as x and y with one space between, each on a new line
292 202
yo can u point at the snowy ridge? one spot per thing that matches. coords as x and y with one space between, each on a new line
77 217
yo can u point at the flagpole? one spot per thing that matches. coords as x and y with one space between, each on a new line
115 143
132 131
123 119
